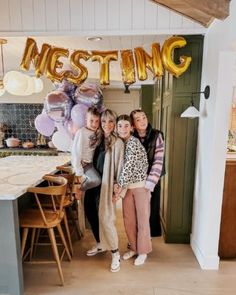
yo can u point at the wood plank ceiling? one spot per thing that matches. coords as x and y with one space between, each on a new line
201 11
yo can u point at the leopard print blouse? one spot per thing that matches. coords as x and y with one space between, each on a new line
135 163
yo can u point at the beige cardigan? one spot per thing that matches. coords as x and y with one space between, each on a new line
112 167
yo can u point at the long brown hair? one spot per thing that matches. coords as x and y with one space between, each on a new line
133 113
125 118
109 141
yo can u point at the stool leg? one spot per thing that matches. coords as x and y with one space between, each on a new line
55 253
36 239
68 232
74 223
32 242
63 240
24 238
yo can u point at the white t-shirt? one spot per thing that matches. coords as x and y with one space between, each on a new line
82 149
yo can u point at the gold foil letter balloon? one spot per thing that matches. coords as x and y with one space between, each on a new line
104 58
156 61
53 63
144 60
127 66
39 59
75 63
167 56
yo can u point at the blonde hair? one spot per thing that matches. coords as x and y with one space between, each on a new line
109 114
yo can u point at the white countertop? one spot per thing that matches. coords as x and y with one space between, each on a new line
17 173
231 156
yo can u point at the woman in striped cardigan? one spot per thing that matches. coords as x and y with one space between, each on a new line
153 141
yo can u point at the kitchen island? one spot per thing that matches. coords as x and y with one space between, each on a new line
227 240
17 173
6 152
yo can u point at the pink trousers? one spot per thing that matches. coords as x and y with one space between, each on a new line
136 213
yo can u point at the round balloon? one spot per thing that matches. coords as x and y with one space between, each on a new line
67 87
62 127
72 128
15 82
62 141
58 106
38 85
89 94
44 124
78 115
31 86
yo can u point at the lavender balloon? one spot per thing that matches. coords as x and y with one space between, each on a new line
89 94
78 115
67 87
58 106
44 124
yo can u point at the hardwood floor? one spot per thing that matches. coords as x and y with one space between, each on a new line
171 269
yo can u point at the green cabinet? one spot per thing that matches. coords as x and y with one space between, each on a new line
147 94
171 98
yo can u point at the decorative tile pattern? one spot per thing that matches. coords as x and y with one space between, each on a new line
19 119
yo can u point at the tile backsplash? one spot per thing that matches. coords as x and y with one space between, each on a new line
19 119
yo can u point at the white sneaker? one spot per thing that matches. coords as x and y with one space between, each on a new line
129 254
140 259
115 263
95 250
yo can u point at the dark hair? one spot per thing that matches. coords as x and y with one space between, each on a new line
133 113
125 118
93 111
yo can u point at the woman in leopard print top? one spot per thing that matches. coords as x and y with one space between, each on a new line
135 164
136 202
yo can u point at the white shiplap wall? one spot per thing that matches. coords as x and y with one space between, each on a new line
89 17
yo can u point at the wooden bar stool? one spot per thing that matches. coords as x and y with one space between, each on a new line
69 170
43 218
65 168
67 203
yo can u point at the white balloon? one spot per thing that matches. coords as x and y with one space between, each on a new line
2 91
15 82
38 85
31 86
62 141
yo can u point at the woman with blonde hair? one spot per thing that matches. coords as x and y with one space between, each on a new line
99 207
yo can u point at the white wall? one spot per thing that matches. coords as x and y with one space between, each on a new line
91 17
120 102
218 72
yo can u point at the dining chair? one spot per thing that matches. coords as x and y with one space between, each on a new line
45 218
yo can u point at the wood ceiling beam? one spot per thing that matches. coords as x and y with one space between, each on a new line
201 11
216 8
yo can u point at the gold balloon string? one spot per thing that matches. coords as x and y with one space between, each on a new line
133 61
